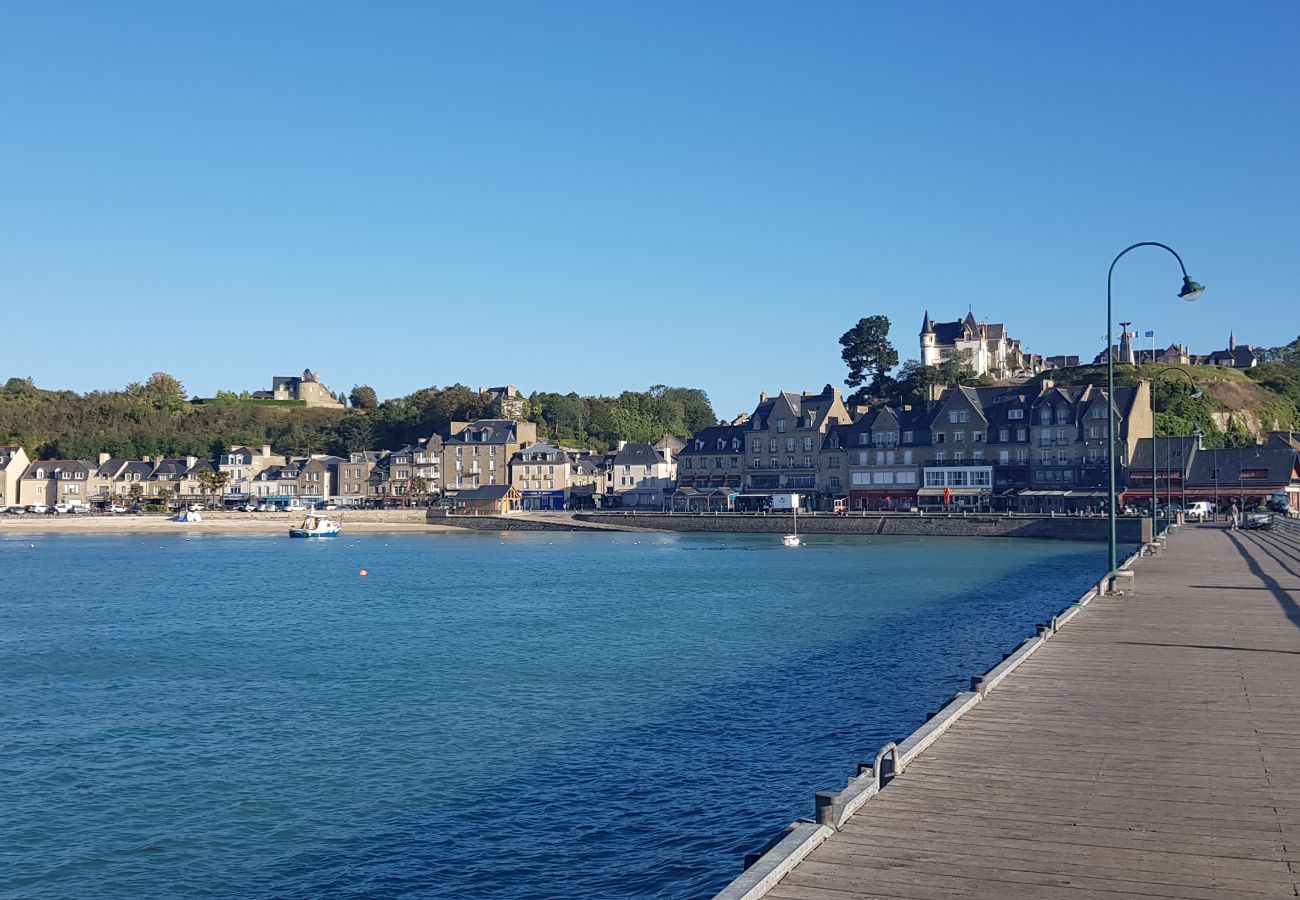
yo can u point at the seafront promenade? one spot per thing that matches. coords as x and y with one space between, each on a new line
1148 748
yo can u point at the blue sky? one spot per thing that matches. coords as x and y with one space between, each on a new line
596 196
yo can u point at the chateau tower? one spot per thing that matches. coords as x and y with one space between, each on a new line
929 349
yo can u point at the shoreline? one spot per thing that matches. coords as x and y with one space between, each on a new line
213 523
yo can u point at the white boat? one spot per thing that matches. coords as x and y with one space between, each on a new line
314 526
792 540
189 516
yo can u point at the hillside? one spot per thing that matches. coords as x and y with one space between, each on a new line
1235 407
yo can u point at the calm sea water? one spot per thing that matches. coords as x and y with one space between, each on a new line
521 716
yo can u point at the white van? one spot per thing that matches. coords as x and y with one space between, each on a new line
1200 510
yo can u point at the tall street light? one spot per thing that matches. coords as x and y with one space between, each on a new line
1197 393
1190 291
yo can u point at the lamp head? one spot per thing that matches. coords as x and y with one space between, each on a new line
1192 290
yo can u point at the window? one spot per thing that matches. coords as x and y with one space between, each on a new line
1004 434
959 437
807 444
756 446
958 456
1046 416
907 437
1045 457
905 477
780 425
756 463
952 417
834 483
963 415
789 462
1004 457
1022 456
882 477
977 437
833 462
1099 412
907 457
864 458
864 439
1096 432
977 455
1020 434
939 456
1015 414
460 451
717 463
789 445
859 479
771 445
933 479
938 437
1062 415
957 478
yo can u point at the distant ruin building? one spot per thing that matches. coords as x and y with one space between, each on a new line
307 388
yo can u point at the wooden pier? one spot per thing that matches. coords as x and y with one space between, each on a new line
1149 748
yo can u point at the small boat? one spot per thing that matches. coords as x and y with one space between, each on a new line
316 526
189 515
792 540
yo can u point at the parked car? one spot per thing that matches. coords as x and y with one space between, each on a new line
265 507
37 508
1199 511
60 508
115 508
195 507
249 507
17 511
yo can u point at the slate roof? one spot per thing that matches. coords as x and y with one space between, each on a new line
62 466
1280 465
705 441
1176 454
486 431
637 455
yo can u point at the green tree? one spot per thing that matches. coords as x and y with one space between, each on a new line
869 356
161 391
364 397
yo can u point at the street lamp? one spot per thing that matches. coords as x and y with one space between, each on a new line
1197 393
1189 291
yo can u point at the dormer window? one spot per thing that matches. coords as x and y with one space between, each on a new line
1015 414
780 425
1046 416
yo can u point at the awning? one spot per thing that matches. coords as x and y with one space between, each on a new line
955 491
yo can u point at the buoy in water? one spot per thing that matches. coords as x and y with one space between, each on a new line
363 573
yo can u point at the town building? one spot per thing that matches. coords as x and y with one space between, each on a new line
879 458
479 453
640 477
49 482
509 402
784 437
13 463
351 476
541 473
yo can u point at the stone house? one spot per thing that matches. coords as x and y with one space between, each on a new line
542 475
13 463
479 453
640 477
306 387
783 438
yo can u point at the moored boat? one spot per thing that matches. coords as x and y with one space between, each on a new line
316 526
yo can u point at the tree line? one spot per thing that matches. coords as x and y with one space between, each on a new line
155 418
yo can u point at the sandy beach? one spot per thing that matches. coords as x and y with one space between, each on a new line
355 522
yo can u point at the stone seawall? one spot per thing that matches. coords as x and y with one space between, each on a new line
1037 527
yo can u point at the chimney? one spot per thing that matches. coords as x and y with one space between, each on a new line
266 449
622 444
190 461
104 457
762 397
1047 385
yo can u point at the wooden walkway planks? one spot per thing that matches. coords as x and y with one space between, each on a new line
1151 749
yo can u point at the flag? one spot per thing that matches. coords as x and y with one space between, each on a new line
947 495
1149 334
1132 334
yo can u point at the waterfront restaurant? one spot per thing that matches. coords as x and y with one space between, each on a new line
956 487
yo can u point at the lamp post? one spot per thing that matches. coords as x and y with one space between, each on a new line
1190 291
1197 393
